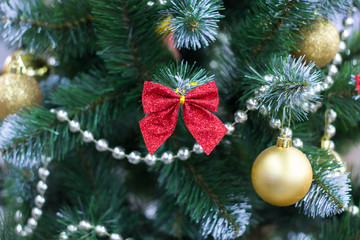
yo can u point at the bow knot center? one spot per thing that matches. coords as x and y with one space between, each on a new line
182 99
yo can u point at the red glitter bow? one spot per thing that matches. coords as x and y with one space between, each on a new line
162 104
357 80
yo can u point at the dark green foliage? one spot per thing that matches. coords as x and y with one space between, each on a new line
59 28
197 190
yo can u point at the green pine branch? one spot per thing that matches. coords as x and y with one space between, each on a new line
205 189
329 193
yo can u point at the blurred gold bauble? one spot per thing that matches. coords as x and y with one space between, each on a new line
163 28
18 91
281 175
320 42
36 67
326 145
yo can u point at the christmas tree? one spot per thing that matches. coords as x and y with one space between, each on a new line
179 119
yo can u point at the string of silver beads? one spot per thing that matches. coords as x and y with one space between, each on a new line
133 157
100 231
36 212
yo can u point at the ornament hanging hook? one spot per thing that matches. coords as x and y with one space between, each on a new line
283 117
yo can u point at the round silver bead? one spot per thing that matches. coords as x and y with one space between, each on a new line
183 153
353 210
43 173
39 201
342 46
27 231
198 149
349 21
305 106
275 123
134 157
269 78
297 142
84 225
329 80
345 34
332 145
72 228
287 132
317 88
18 229
115 236
337 59
32 223
118 153
150 159
53 110
18 216
331 130
87 137
240 116
63 236
332 115
230 128
333 70
101 145
74 126
263 110
36 213
252 104
100 231
313 107
167 157
61 115
41 187
46 160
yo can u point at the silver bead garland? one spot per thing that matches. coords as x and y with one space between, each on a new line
36 212
84 225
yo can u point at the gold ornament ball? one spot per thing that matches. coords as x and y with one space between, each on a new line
320 42
163 29
36 67
18 91
281 176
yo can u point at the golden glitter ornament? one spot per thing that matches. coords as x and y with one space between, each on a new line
36 67
18 91
163 28
281 175
320 42
326 145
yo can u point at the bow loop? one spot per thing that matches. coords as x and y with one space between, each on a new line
157 97
205 96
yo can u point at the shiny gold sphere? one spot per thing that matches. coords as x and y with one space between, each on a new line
36 67
320 42
16 92
281 176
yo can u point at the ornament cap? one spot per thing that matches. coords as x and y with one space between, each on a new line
325 143
284 141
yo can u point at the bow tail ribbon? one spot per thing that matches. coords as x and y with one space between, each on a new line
205 127
357 80
156 127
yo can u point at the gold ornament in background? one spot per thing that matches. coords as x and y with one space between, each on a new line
18 91
320 42
281 175
36 67
163 29
326 145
